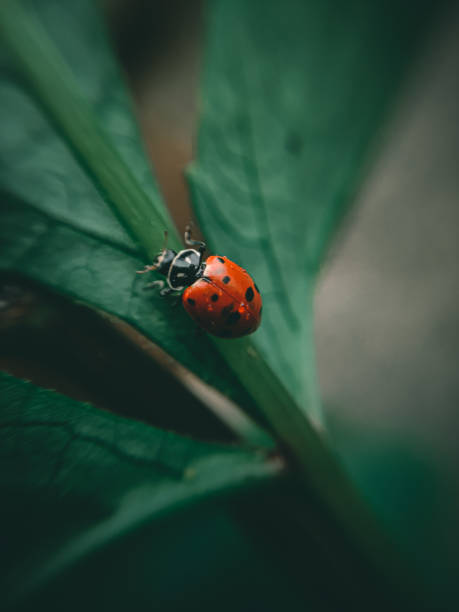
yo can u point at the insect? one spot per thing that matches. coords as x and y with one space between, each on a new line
219 295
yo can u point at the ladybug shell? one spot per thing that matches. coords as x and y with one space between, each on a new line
224 301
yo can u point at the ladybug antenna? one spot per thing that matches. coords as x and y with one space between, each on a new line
166 236
196 243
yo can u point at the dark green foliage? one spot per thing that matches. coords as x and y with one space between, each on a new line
100 511
107 513
76 480
55 224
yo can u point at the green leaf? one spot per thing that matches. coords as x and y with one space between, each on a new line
101 512
90 106
100 272
60 171
76 480
78 258
293 95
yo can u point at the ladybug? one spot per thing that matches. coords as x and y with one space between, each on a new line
220 296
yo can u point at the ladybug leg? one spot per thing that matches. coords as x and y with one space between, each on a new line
163 291
177 300
146 269
156 283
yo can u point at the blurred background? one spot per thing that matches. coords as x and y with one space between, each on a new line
387 316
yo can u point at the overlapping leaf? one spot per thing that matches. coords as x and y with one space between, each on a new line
294 93
56 226
76 481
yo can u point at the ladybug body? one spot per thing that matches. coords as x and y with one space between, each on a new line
219 295
224 301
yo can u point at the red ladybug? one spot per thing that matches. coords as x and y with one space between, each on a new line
219 295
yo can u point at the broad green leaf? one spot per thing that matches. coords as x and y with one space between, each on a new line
99 269
76 480
84 58
55 222
101 512
293 95
83 262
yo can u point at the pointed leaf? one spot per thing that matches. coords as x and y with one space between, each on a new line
76 480
69 147
293 95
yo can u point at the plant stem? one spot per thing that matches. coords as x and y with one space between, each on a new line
55 87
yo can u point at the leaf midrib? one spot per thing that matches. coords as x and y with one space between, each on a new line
275 270
39 60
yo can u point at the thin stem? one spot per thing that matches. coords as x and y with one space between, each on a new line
54 86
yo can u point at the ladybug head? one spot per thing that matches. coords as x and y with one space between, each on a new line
163 261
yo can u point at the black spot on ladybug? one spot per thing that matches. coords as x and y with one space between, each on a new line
249 294
227 309
221 259
226 279
233 318
191 302
255 285
214 297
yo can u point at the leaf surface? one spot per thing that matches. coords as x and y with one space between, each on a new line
88 479
56 224
293 95
100 511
